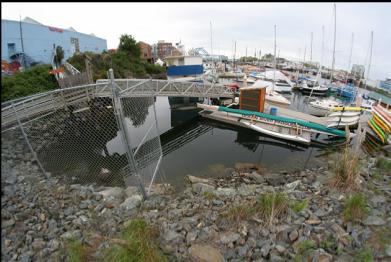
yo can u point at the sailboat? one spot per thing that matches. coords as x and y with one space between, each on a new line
272 97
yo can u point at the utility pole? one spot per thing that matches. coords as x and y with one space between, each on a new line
21 41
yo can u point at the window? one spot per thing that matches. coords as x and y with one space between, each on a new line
75 44
11 49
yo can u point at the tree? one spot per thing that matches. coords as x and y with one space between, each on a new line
129 45
59 55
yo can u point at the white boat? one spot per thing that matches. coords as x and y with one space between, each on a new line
322 107
344 119
271 96
282 83
312 87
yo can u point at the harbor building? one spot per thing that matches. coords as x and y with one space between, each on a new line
29 42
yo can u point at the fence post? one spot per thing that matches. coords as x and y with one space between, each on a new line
122 126
28 143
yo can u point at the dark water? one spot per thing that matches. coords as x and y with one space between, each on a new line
191 144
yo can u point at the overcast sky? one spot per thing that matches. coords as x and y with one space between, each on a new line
251 25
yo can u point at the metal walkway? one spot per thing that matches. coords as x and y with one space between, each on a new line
39 105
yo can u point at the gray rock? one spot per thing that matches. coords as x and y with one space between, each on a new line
378 199
191 237
112 192
256 177
172 236
200 188
242 252
276 258
7 223
275 179
246 190
224 192
38 244
217 202
131 202
293 235
68 211
205 253
265 249
388 250
373 221
280 249
229 237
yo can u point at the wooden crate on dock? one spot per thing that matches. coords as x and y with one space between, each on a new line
252 98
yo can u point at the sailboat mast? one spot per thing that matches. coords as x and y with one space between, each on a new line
275 47
321 58
312 36
335 34
370 60
235 56
351 51
211 46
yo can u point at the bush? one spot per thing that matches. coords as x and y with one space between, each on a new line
77 252
346 169
364 255
238 213
140 245
355 208
298 206
34 80
272 206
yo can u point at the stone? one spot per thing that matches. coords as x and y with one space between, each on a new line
313 220
38 244
172 236
280 249
7 223
131 190
205 253
275 179
293 235
200 188
388 250
54 244
229 237
321 256
373 221
191 237
112 192
292 186
246 190
256 177
224 192
7 242
276 258
378 199
217 202
131 202
195 180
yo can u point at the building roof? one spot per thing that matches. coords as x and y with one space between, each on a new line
31 21
72 29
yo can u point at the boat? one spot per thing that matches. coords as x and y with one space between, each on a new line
271 96
282 84
322 107
281 127
313 88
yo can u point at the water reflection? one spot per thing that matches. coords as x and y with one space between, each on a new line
190 144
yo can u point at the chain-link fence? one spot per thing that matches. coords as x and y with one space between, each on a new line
84 137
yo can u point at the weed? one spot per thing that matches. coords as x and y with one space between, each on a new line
346 170
376 175
209 195
303 248
384 164
298 206
137 244
329 244
364 255
355 208
238 213
77 252
379 239
272 206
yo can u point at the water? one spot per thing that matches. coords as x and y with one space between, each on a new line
191 145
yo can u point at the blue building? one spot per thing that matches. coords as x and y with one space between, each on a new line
36 43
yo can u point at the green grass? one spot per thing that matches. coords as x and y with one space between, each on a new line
298 206
329 244
364 255
355 208
140 245
272 206
77 252
209 195
303 249
384 164
239 213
